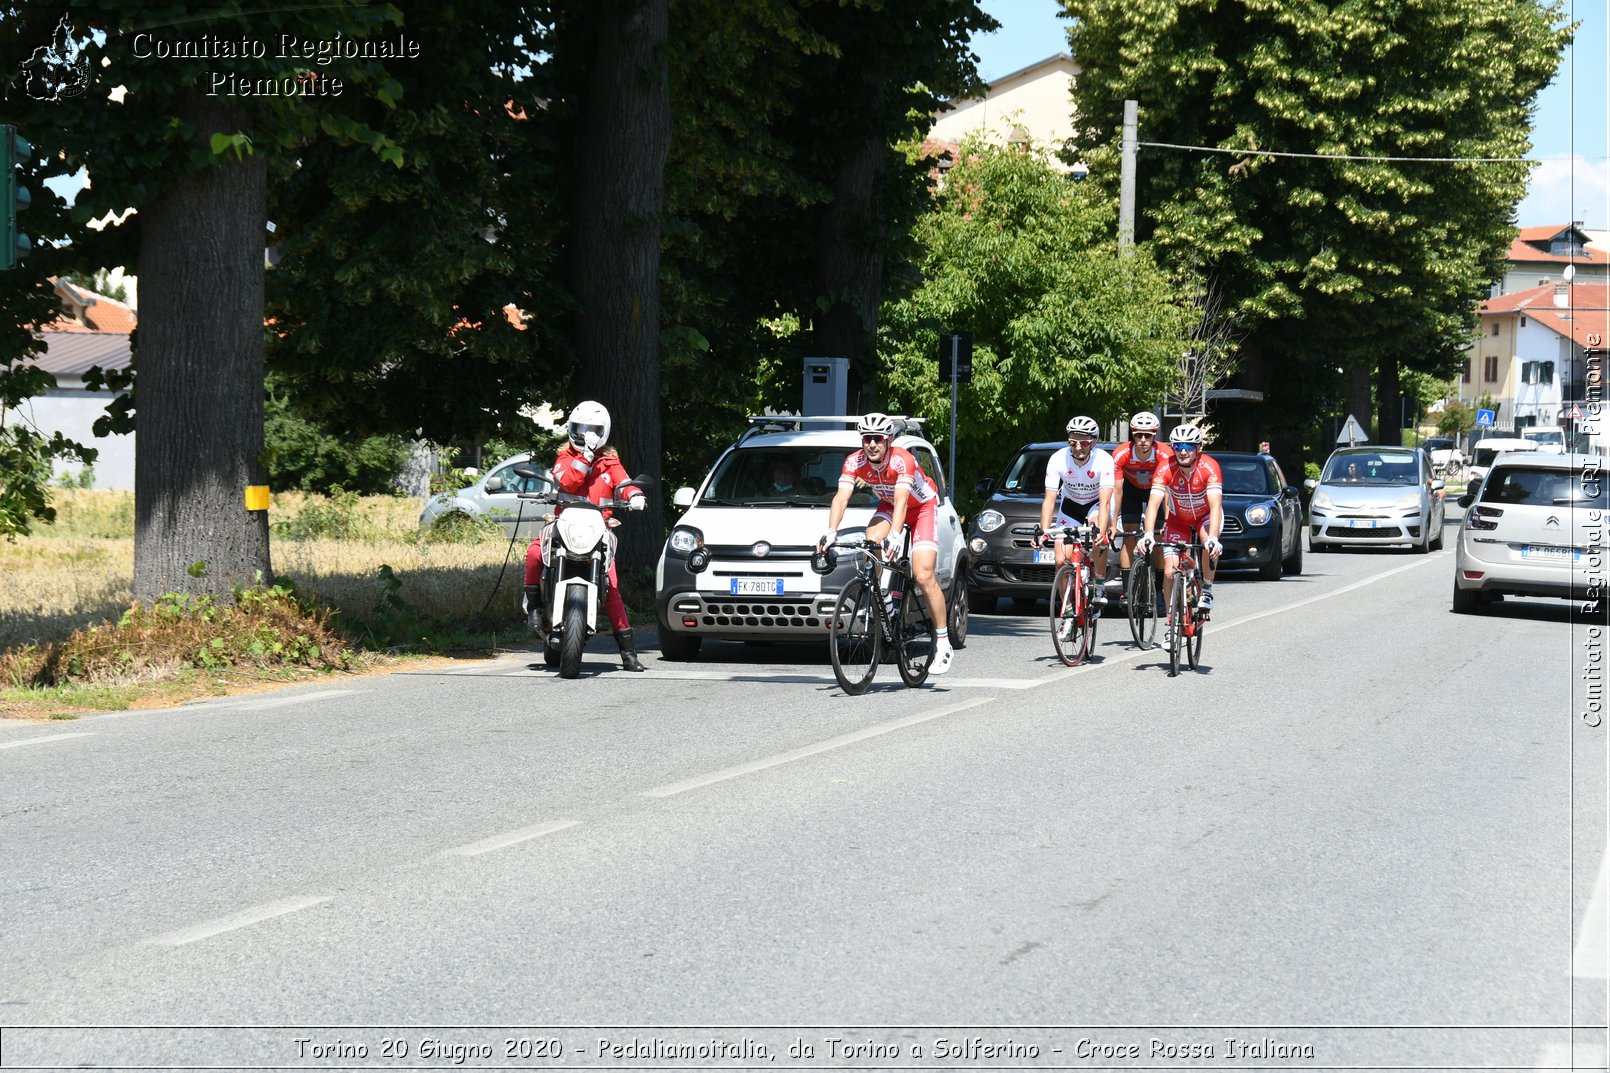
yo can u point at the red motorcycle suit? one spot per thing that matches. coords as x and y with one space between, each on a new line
597 480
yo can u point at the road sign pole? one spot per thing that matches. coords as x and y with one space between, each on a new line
955 365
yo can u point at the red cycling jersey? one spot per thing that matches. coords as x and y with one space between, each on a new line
1187 490
1139 472
899 470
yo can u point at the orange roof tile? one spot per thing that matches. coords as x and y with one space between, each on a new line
1584 319
1521 251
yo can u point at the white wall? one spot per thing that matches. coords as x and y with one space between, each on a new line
72 412
1039 102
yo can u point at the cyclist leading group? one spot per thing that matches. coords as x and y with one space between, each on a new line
1193 487
907 498
1078 491
1136 463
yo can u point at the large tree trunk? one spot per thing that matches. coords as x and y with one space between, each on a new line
1390 412
200 375
623 137
849 268
1360 403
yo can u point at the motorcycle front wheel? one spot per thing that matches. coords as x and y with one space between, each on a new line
575 635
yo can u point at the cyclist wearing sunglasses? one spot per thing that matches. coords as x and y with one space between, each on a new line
1194 488
1078 490
1136 462
906 498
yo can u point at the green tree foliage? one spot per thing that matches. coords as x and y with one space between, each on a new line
1021 256
1333 265
304 454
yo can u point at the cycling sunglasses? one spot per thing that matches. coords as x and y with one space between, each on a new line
1079 441
1178 447
874 439
1143 435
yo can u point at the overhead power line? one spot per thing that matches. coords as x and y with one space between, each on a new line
1351 156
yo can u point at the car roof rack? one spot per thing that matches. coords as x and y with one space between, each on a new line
759 423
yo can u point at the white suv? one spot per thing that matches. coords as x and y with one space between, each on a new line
737 565
1536 528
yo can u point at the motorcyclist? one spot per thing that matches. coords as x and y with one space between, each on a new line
586 467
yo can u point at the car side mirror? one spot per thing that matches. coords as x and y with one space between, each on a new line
1310 484
985 487
1466 500
494 484
1437 484
683 498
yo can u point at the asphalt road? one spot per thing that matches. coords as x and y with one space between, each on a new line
1367 832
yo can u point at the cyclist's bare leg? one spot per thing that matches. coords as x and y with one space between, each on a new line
875 532
923 561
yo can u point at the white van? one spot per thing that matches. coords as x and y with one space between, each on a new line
1548 438
737 565
1489 448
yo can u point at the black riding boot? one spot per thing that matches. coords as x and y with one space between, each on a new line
533 607
628 646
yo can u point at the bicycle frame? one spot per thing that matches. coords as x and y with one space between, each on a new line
905 626
1186 620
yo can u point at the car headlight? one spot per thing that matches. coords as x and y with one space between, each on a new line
1409 502
1259 514
990 521
684 539
1322 502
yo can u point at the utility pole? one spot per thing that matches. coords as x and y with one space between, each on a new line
1126 180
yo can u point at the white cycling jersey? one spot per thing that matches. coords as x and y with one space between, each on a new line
1081 484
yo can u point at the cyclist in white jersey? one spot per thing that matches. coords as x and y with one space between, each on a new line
1078 491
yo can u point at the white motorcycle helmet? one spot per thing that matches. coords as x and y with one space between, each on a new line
588 426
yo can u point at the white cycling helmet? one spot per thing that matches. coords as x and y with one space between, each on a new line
1145 421
1186 434
1084 426
875 424
588 417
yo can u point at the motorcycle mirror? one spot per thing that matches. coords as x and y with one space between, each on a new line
526 471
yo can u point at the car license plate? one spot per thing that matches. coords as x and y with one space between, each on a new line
1364 523
757 586
1534 551
1045 556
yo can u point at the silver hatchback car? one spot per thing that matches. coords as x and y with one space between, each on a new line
1535 528
1369 496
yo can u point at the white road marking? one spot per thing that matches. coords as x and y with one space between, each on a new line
48 737
740 770
257 704
1588 962
1371 580
243 919
511 838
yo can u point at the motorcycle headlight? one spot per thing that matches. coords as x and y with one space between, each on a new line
1258 514
990 521
581 530
684 540
1322 501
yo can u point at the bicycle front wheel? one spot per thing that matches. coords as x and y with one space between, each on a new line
1176 622
1193 646
1067 628
853 637
915 639
1139 596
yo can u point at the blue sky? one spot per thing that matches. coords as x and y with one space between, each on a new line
1569 137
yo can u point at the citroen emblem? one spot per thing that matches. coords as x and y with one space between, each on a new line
761 550
1552 523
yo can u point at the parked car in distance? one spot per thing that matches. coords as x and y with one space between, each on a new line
1375 495
1001 558
1263 516
494 496
1548 438
1489 448
737 565
1534 529
1445 455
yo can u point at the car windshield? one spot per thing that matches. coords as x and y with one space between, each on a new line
1483 456
1437 443
1545 487
780 477
1247 477
1372 467
1547 435
1026 475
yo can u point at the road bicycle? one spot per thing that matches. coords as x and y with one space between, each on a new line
1186 620
1140 599
867 621
1074 612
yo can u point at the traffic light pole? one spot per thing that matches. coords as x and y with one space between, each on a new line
955 367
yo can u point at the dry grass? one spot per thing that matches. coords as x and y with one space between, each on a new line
79 572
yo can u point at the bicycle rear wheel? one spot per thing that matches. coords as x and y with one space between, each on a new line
915 640
1139 597
1193 649
1176 622
1068 632
853 639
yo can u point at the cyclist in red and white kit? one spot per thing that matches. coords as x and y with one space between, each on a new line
1135 463
906 498
1078 491
1194 488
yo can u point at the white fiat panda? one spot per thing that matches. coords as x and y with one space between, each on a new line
737 565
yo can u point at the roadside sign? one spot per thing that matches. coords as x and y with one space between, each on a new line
1486 418
1576 413
1352 432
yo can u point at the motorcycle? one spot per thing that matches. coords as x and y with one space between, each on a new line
577 548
